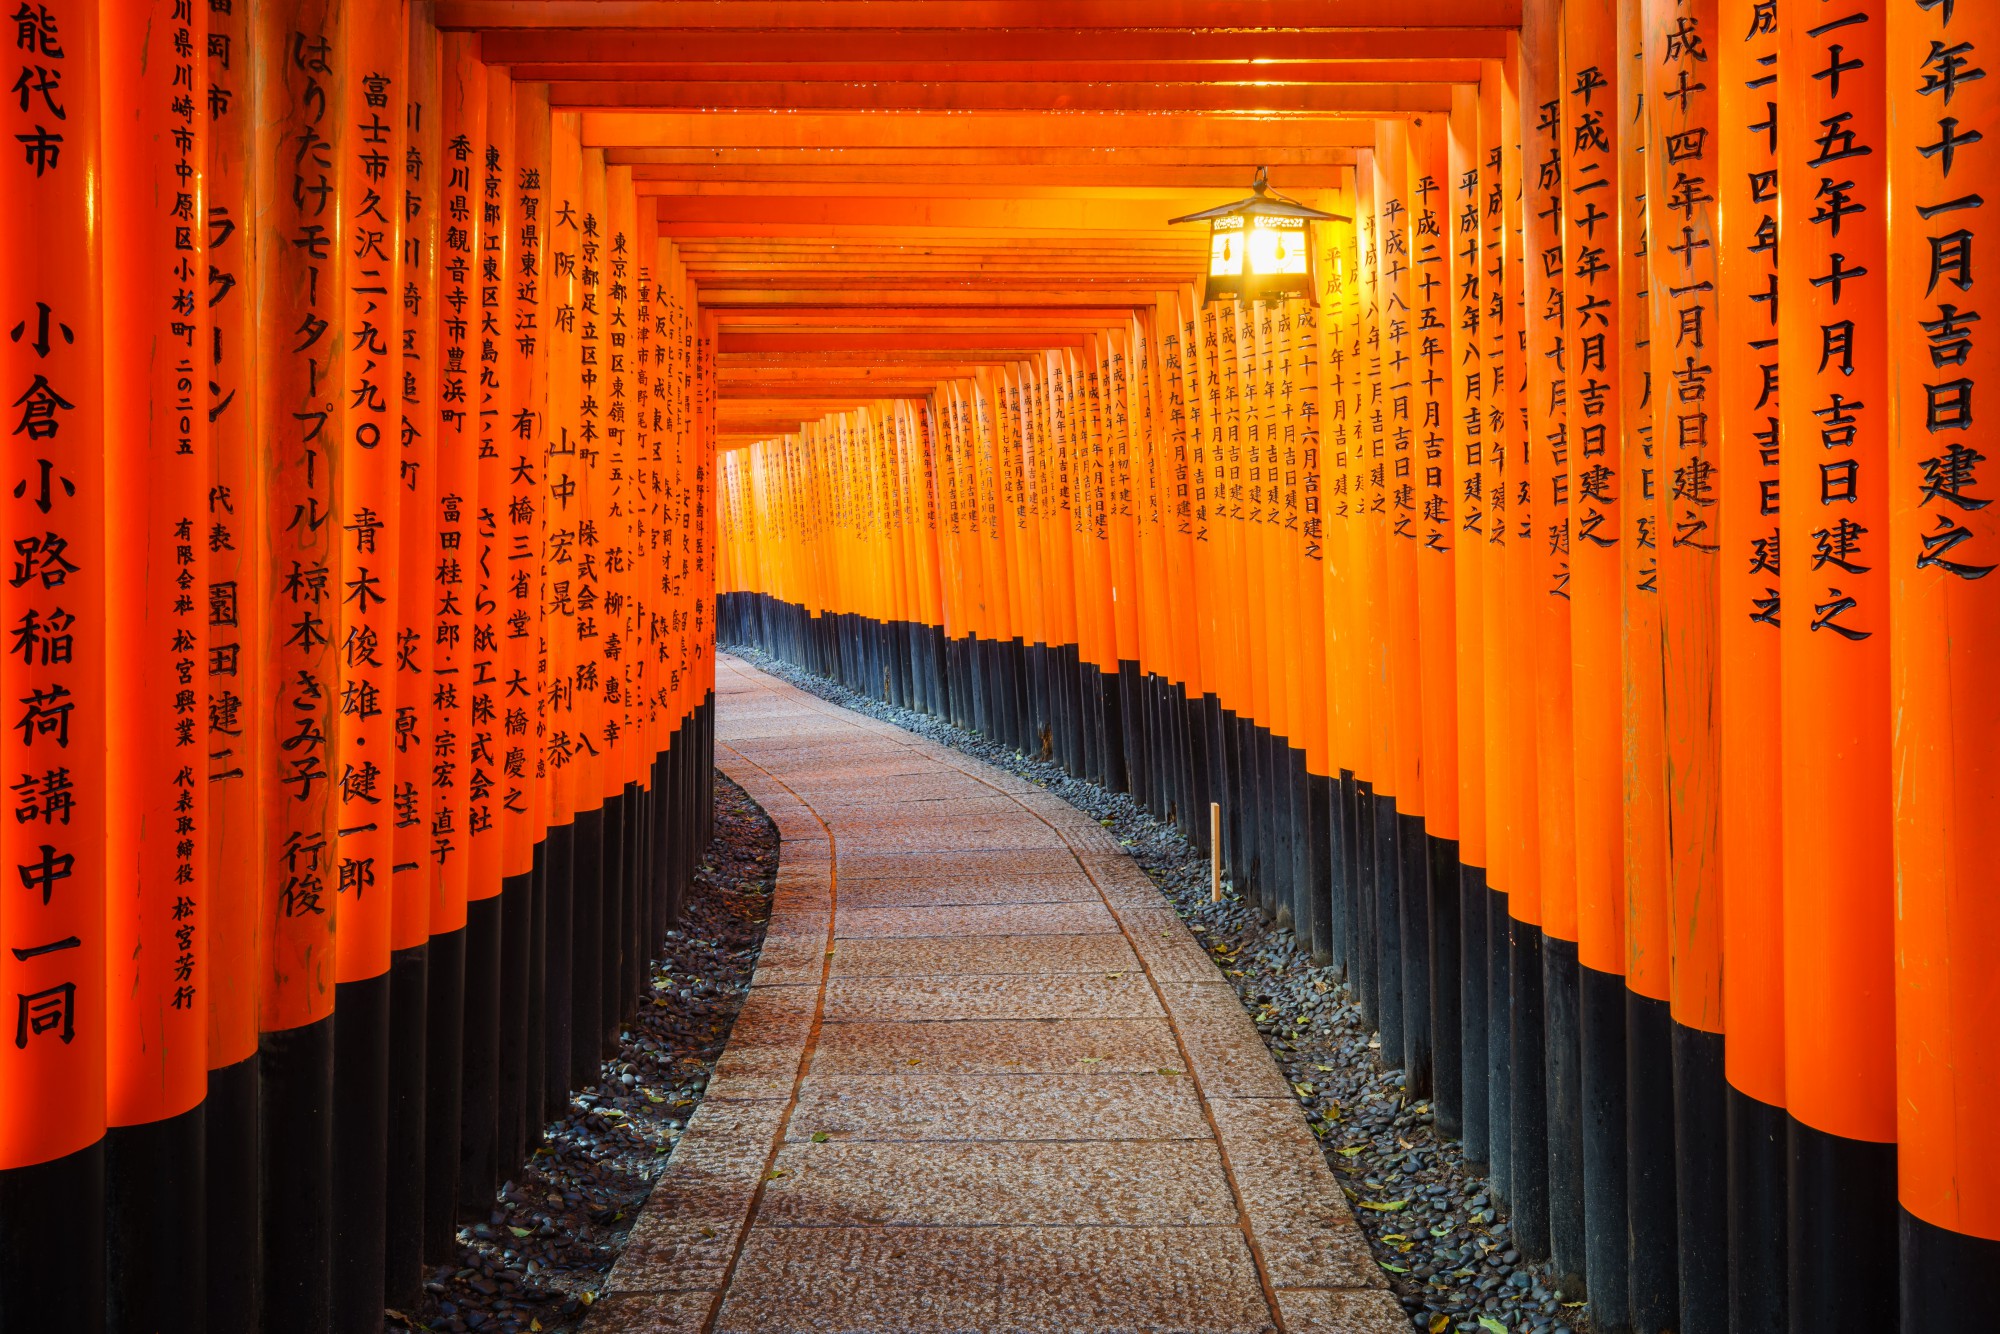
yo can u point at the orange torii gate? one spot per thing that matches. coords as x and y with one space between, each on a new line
401 395
1614 464
297 562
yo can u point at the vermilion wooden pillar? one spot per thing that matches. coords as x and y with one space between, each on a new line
1833 291
1682 179
587 586
156 477
524 804
568 1029
368 499
1401 686
481 1132
1464 230
1941 554
1549 906
554 325
53 926
1302 410
1339 375
462 128
1437 340
506 844
1242 379
414 871
300 289
1375 777
614 388
239 729
1498 441
1519 896
1750 591
1587 1000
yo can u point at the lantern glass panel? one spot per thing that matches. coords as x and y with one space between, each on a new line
1278 246
1225 248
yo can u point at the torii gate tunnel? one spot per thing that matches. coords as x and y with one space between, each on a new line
1576 603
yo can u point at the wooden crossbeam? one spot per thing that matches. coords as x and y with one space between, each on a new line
1114 15
1373 98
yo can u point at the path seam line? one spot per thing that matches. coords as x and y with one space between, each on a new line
812 1033
1244 1224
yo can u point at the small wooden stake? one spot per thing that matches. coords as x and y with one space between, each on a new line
1215 851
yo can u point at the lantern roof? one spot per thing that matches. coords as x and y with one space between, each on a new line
1262 204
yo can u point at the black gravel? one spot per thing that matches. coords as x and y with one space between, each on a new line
1433 1225
541 1257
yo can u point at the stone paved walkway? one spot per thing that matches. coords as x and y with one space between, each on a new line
985 1082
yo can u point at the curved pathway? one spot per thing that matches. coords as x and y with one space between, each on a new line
985 1082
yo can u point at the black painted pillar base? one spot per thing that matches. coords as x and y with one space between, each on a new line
235 1227
611 930
1561 1001
1843 1225
409 1034
538 997
479 1080
1607 1245
52 1243
1297 846
1389 928
1701 1180
1759 1152
1446 973
517 914
1318 876
558 985
1527 1044
1230 791
1340 872
586 946
360 1152
1474 952
1499 1046
1649 1164
444 1092
1414 897
1947 1277
1367 907
155 1229
295 1114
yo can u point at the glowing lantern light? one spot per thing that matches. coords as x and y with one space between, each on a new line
1260 247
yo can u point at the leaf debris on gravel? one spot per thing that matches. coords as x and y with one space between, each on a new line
541 1257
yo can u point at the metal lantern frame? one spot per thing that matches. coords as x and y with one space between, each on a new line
1261 247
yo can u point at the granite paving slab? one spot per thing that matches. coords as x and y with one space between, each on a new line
985 1082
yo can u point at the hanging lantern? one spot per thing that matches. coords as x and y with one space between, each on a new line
1260 247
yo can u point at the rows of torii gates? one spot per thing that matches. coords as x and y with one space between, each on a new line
1547 524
